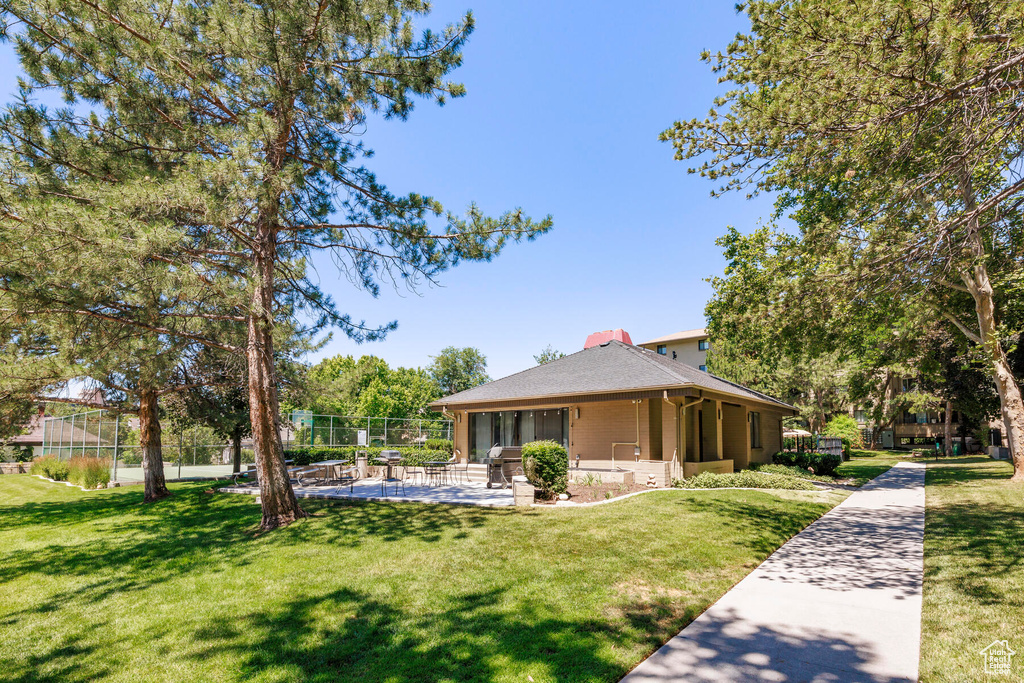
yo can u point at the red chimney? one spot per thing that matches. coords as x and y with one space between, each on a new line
606 336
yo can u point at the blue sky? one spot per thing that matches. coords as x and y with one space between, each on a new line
564 105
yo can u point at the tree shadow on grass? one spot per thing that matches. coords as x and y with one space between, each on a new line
197 531
479 637
982 543
951 472
476 637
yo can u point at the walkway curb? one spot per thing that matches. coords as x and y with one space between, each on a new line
839 602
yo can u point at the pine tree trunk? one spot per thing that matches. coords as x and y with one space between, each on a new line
280 506
947 432
152 449
236 453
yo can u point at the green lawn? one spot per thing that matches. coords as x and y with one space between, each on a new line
99 586
864 465
974 568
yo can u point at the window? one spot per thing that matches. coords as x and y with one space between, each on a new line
514 428
662 350
702 368
755 429
702 345
908 385
859 416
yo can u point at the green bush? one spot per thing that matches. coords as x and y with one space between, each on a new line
9 453
789 471
744 479
546 465
89 472
821 463
50 467
439 445
411 455
845 427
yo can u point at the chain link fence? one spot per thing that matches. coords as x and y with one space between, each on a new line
197 453
303 428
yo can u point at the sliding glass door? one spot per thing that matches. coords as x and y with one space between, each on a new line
516 427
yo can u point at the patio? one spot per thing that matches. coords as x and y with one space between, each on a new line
470 493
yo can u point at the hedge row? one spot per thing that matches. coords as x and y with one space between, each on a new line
411 455
821 463
744 479
790 471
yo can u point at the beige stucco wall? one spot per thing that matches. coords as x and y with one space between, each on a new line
600 424
735 435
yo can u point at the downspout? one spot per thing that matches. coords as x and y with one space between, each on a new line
635 444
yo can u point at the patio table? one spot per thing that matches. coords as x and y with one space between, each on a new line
438 467
328 465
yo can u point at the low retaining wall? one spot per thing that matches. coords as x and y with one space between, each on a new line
14 467
607 476
625 471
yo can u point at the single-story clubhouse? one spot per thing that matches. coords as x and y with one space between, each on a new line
619 406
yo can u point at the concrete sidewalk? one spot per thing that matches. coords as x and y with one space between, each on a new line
840 602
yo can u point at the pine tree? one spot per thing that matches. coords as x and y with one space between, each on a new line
250 115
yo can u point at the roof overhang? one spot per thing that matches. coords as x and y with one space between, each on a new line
674 391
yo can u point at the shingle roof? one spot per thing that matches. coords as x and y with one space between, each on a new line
607 368
699 333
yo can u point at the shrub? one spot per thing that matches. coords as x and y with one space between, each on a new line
89 472
50 467
9 453
744 479
845 427
412 455
546 464
822 463
439 445
789 471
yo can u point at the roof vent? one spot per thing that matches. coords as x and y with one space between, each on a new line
603 338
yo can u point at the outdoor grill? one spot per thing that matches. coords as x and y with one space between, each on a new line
503 462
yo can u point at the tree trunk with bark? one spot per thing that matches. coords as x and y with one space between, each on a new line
236 453
280 506
152 448
980 288
947 432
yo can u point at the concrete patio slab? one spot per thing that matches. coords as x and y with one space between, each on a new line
471 493
839 603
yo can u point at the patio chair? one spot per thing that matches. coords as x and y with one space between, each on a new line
413 472
459 466
349 476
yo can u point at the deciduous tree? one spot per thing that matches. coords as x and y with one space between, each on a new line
911 115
